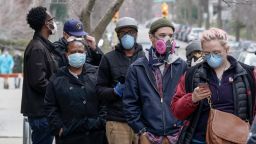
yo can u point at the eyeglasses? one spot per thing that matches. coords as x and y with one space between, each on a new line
72 38
208 54
130 32
51 19
197 53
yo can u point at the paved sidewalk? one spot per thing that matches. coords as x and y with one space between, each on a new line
11 120
11 140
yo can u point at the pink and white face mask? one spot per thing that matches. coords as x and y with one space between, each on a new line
163 44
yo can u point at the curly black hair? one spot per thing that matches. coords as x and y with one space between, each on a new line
36 18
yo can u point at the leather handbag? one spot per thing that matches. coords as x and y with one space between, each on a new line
225 128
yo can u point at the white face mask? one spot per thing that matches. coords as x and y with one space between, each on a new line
194 62
54 29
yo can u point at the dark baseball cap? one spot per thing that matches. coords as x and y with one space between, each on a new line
74 28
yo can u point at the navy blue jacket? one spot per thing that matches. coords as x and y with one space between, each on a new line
141 101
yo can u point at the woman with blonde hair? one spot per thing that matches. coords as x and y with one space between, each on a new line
219 82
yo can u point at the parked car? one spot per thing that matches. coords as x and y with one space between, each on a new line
235 48
245 44
182 31
185 34
248 57
177 29
194 34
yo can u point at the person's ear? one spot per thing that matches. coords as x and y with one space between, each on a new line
66 52
151 37
65 35
227 50
136 34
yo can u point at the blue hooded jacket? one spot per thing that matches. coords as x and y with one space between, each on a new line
142 104
6 64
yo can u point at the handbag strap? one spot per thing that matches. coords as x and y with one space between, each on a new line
210 102
211 107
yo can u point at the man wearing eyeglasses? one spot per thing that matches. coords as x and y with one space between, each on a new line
150 84
73 29
39 65
111 79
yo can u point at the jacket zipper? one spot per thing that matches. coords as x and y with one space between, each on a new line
163 114
161 100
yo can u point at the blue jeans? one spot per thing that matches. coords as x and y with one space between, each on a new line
40 131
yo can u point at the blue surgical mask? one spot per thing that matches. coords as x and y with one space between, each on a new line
214 60
77 60
127 41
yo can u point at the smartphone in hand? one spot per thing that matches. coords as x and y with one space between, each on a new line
204 86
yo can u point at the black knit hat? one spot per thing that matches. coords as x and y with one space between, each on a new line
194 45
161 22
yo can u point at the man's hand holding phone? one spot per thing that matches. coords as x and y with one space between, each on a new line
202 91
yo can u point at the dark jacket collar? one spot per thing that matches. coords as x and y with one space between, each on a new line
143 61
87 68
48 44
61 43
137 47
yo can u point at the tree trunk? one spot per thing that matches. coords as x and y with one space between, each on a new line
86 15
207 25
238 28
104 21
200 16
219 16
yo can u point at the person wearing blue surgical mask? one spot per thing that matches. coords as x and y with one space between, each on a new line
219 82
71 105
111 80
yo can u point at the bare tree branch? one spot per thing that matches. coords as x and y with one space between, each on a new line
86 15
100 28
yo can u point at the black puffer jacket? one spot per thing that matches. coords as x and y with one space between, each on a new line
39 66
113 66
72 104
92 57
